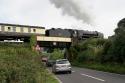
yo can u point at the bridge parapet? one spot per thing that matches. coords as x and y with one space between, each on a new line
53 39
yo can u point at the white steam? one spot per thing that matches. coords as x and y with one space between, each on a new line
73 8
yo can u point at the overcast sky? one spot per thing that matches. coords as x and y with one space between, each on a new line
104 14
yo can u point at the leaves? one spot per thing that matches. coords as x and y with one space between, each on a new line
18 65
119 42
88 50
57 54
33 41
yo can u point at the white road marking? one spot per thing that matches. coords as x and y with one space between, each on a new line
73 71
93 77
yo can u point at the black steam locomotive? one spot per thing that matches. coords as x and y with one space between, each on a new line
73 33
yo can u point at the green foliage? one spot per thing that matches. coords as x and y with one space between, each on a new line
85 56
72 53
107 52
114 48
118 47
107 47
33 41
108 67
19 64
57 54
103 51
88 51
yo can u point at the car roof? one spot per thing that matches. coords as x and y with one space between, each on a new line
61 60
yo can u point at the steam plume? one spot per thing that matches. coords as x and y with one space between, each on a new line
72 8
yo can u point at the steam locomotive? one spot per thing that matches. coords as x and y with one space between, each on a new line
76 35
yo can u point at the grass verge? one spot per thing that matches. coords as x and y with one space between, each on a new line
49 77
20 64
112 68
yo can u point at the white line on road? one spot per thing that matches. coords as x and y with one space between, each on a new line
73 71
93 77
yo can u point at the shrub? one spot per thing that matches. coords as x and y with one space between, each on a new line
19 65
33 41
57 54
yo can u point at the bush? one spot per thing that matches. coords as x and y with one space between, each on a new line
90 50
57 54
72 53
19 65
33 41
86 56
105 55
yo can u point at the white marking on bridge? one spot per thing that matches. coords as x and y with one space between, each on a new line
93 77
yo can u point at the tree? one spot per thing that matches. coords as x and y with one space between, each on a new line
33 41
119 42
72 53
57 54
89 50
107 52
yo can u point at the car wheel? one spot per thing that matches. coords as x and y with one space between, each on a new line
70 72
54 72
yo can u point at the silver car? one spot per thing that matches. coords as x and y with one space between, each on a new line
62 65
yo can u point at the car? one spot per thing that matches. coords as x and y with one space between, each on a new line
50 63
44 58
62 65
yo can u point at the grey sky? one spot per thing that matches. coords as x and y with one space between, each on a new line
104 13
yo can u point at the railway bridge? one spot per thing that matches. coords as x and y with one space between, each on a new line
62 38
24 32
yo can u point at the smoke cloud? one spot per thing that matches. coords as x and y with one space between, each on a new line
72 8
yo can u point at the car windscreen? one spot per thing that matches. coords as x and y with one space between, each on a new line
62 62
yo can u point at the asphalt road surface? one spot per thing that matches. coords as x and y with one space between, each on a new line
82 75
